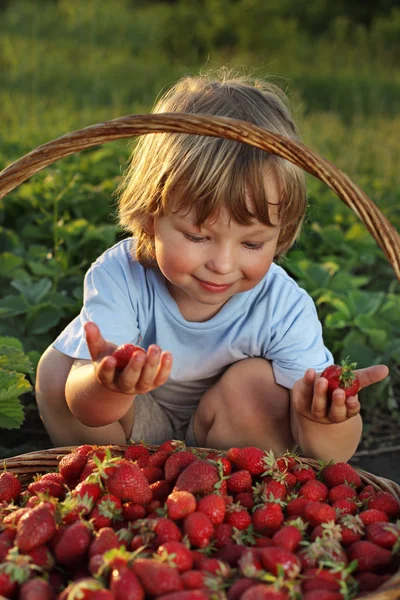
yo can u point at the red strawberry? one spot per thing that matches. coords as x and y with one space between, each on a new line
273 556
160 490
6 542
132 511
71 465
322 595
246 499
368 582
180 504
173 445
303 473
314 490
200 477
372 515
10 487
295 507
125 585
176 463
386 502
36 589
153 474
342 377
238 517
341 492
159 458
156 577
123 354
193 580
127 482
250 458
166 531
223 535
238 588
35 527
73 544
42 557
352 529
105 539
370 557
319 512
320 579
178 553
267 519
264 591
8 585
384 534
212 505
107 510
288 536
340 473
239 481
47 485
199 529
135 452
345 507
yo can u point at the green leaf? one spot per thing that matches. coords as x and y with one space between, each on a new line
11 306
365 303
13 359
12 386
8 263
42 317
34 292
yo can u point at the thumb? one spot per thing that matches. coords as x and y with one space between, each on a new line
371 375
97 345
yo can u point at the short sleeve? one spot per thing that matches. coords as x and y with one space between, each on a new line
108 303
297 344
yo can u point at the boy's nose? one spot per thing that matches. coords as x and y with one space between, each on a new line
222 261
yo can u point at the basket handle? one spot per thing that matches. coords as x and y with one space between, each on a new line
352 195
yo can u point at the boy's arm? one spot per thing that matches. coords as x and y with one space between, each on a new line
328 431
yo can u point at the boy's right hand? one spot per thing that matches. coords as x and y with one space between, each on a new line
144 372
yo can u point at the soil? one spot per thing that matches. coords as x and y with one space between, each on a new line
378 452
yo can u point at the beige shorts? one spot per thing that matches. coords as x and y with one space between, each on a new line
155 424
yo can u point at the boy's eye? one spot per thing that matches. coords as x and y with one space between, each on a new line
194 238
252 246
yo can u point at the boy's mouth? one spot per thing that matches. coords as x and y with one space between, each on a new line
214 287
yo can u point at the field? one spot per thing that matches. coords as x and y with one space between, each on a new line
66 65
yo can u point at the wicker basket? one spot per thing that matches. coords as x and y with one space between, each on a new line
27 465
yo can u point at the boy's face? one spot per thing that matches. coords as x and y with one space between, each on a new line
205 267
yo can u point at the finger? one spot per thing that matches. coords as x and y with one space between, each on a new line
106 370
128 379
95 341
319 406
353 406
304 390
338 408
164 370
150 368
371 375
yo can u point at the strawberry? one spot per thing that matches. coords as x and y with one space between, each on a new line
372 515
246 499
71 465
160 490
344 506
42 557
180 504
159 458
132 511
200 477
303 473
387 503
178 554
273 556
123 354
267 519
193 580
342 377
212 505
172 445
73 544
319 512
295 507
239 587
153 474
384 534
322 595
367 581
238 517
176 463
106 510
341 492
127 482
8 585
135 452
35 527
47 485
239 481
36 589
288 536
352 529
125 585
166 531
10 487
199 529
320 579
340 473
250 458
104 540
314 490
264 591
370 557
186 595
156 577
6 542
223 535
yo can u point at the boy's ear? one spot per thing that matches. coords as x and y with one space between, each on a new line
148 225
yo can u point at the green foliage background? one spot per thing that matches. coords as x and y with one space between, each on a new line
66 64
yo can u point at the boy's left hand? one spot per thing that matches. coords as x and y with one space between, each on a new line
310 399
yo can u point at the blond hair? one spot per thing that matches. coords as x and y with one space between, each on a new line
213 172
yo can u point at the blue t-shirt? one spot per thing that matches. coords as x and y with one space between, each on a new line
276 320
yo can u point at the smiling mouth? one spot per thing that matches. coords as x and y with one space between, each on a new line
214 287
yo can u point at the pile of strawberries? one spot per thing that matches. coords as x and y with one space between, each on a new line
183 524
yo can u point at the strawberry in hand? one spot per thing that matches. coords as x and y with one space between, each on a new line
123 354
343 377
